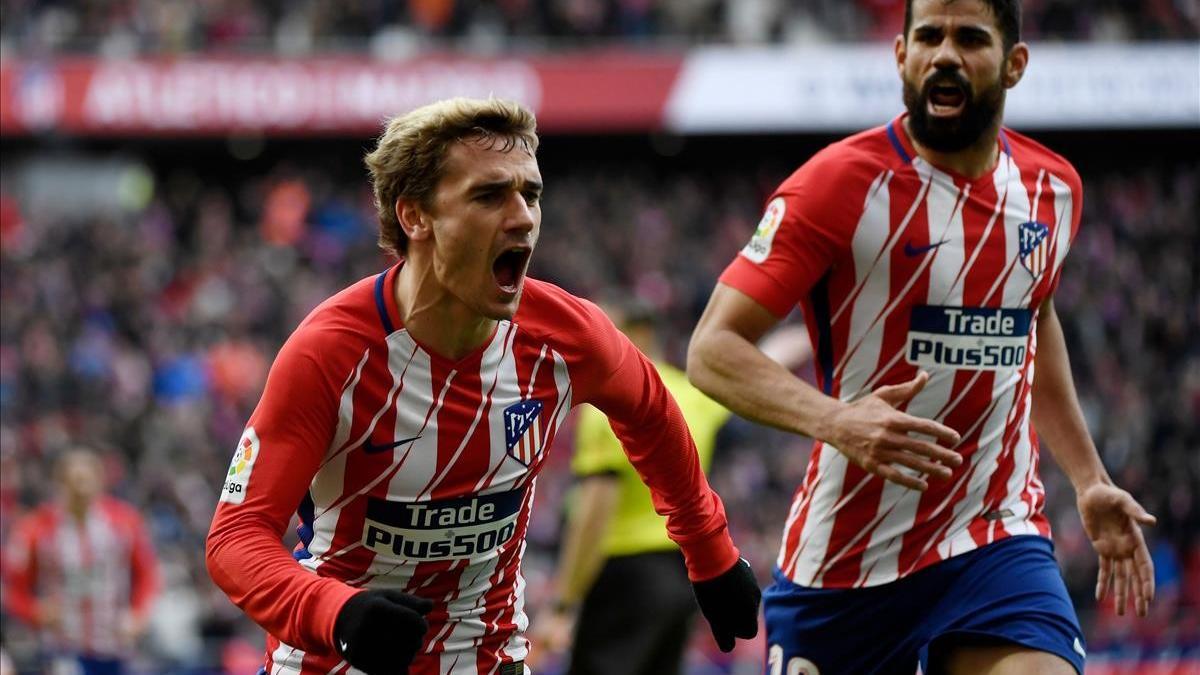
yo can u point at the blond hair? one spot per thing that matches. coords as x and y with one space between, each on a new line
409 159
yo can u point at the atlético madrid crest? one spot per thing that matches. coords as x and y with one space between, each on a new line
1035 246
522 432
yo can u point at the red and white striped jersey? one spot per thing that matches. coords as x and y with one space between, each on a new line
98 573
900 266
412 472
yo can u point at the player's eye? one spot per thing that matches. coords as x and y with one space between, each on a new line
929 36
973 39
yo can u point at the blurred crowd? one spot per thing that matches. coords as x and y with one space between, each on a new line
143 323
128 27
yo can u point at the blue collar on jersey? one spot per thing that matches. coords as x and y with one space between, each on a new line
895 139
381 302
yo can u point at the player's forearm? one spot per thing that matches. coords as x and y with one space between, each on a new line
1056 414
735 373
247 560
656 439
144 576
582 555
661 450
143 590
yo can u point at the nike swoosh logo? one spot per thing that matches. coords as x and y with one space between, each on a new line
371 448
913 251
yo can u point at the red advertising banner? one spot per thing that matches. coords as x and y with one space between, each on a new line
322 96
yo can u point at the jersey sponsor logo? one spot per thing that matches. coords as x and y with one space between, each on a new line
914 251
968 338
1034 246
522 430
462 527
760 244
238 476
372 448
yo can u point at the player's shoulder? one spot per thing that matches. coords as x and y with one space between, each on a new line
555 314
38 521
857 158
1032 155
574 328
119 511
346 322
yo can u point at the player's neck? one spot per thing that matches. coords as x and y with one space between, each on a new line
974 161
77 508
435 318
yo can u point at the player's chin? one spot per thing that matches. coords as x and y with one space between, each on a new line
503 305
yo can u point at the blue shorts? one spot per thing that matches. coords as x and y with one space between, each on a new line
1007 592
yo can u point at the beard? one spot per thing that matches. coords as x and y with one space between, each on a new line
942 134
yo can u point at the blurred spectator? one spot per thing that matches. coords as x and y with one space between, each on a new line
81 570
172 26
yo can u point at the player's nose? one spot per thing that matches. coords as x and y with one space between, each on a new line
519 216
946 56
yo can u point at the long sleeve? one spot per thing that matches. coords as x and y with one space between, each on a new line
625 386
144 578
20 573
273 466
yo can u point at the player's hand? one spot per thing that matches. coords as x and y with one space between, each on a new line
1112 519
49 614
875 435
133 627
550 634
379 632
730 604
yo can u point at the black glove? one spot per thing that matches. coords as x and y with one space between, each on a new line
379 632
730 603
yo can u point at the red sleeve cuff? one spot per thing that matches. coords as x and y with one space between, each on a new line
709 557
328 602
751 279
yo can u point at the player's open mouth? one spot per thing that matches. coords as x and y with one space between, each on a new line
946 100
509 268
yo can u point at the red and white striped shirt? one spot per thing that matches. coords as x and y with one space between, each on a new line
412 472
900 266
98 573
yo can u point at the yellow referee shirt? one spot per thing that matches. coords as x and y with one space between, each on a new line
635 527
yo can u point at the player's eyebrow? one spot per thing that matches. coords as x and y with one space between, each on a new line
962 32
975 33
926 30
505 184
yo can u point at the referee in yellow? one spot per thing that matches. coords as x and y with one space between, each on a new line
621 586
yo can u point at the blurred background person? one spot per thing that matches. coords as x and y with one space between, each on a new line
621 591
81 569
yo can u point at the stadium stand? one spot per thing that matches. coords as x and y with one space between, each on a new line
177 26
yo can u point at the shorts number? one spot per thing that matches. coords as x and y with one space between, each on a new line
795 666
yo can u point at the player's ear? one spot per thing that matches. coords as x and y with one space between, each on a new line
901 49
1014 65
413 219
